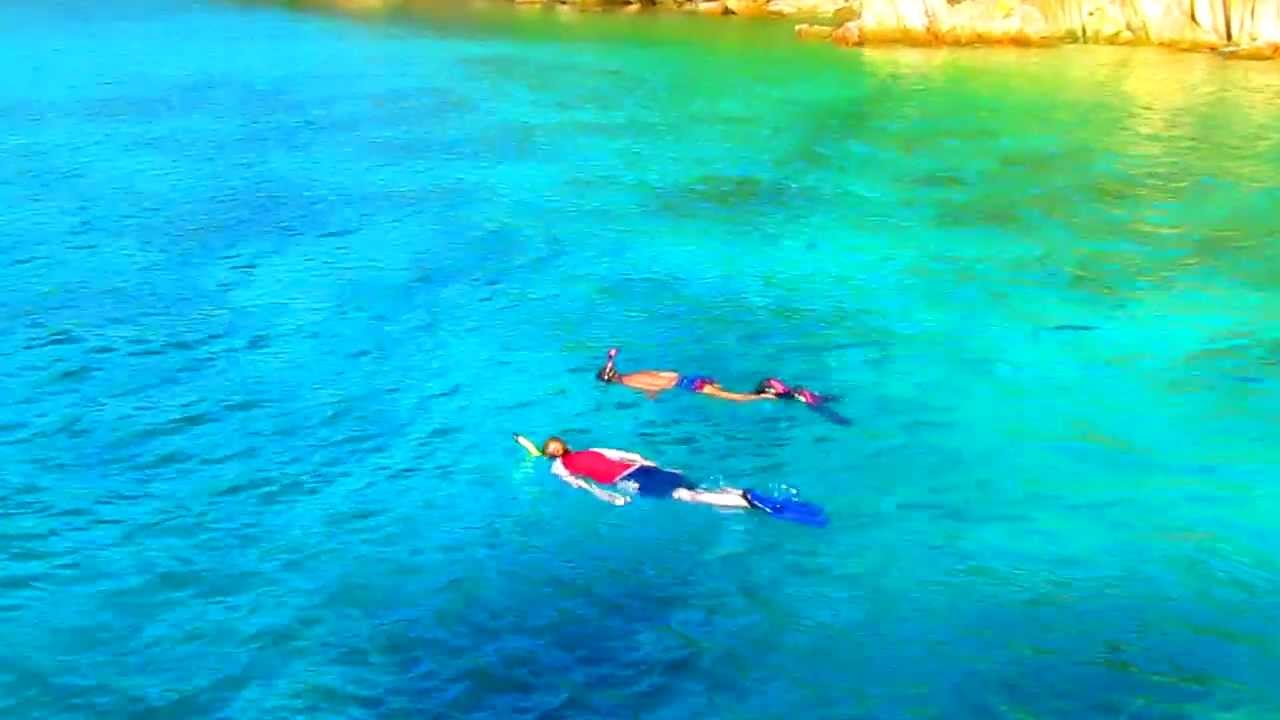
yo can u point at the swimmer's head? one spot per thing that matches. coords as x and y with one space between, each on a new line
774 387
554 447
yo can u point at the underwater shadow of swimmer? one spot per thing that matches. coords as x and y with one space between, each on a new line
831 415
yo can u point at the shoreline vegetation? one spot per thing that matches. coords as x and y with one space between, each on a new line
1236 29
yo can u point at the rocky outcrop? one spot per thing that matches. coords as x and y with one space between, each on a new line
1241 28
747 8
848 35
1244 29
814 32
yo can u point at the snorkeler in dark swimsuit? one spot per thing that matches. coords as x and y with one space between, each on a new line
652 382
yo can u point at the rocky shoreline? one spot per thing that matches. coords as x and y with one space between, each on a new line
1238 29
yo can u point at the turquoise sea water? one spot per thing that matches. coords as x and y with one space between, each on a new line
277 287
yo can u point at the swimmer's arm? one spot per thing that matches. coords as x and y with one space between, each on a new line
600 494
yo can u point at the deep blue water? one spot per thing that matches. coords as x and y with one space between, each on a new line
277 287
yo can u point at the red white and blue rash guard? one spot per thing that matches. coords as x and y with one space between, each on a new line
602 465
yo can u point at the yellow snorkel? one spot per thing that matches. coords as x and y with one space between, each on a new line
527 444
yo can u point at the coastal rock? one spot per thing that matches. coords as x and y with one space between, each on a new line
1261 25
1211 15
1172 23
1031 24
1192 24
847 35
1104 22
747 8
814 32
904 21
1238 29
839 10
847 12
1252 52
830 8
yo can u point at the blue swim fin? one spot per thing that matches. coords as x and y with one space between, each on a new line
785 508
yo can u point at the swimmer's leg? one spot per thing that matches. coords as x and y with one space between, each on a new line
716 391
727 497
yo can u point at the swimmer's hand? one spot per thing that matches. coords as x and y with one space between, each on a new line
612 498
527 444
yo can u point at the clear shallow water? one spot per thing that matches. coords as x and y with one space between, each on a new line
277 287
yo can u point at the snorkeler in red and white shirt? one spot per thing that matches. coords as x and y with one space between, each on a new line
596 469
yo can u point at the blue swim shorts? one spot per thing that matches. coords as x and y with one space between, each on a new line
655 482
694 383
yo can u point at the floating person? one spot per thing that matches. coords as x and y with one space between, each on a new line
596 467
652 382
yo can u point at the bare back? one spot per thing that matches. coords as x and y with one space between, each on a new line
650 381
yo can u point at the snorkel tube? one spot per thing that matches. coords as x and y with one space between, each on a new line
608 373
527 444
